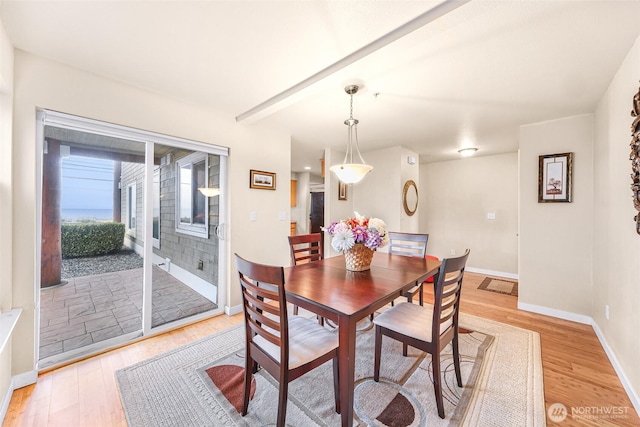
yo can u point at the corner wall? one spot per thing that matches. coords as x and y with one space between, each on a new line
6 229
616 268
455 198
556 239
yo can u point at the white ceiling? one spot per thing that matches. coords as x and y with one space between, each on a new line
468 78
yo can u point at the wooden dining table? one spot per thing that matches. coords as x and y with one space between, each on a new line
328 289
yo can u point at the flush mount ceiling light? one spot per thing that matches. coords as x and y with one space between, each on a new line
467 152
350 172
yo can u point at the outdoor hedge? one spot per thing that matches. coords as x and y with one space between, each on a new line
92 238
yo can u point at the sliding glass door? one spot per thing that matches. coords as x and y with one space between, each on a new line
131 232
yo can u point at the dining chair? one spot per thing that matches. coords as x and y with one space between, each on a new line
286 347
306 248
427 328
409 244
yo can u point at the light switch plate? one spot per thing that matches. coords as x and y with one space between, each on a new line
491 215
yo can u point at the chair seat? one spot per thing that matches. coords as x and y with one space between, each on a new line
411 320
307 342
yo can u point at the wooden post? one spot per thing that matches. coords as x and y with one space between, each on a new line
51 268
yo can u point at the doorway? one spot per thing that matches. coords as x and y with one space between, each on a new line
131 228
316 212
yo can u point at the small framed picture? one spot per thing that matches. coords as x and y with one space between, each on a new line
342 191
262 180
554 178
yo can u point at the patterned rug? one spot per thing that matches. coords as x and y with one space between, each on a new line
201 384
500 286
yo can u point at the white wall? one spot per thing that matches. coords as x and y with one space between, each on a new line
6 230
455 198
556 239
409 224
40 83
379 195
616 267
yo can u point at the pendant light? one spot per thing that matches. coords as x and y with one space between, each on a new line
350 172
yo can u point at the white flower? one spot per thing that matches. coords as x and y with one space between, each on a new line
343 240
379 225
341 227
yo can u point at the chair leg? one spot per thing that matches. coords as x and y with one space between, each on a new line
295 310
376 354
437 383
282 402
421 294
456 360
336 384
248 376
405 349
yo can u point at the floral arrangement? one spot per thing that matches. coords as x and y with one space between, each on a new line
372 232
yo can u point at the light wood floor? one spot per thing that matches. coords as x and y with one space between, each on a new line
577 372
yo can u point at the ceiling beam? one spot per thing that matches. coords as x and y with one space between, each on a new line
290 95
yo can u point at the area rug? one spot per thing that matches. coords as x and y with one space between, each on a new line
201 384
500 286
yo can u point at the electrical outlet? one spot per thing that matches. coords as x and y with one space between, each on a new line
253 216
453 251
606 311
200 265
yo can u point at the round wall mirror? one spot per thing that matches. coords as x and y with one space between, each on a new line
410 197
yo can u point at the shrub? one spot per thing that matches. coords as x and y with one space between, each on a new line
91 238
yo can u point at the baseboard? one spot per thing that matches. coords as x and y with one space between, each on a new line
633 396
560 314
17 381
513 276
588 320
25 379
230 311
7 399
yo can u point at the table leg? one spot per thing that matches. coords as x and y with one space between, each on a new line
347 364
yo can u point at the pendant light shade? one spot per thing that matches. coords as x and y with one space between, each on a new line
348 171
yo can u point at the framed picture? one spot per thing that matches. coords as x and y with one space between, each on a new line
554 177
342 191
262 180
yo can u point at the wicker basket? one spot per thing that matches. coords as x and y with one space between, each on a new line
358 258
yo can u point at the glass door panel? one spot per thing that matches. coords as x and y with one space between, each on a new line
91 280
185 259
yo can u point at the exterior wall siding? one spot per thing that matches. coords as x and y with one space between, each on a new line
182 249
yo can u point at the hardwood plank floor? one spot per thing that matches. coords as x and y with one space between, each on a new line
577 372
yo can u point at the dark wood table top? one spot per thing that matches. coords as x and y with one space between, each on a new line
330 287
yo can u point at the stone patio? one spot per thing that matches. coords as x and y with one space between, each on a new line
90 309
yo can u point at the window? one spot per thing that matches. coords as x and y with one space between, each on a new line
192 217
131 209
